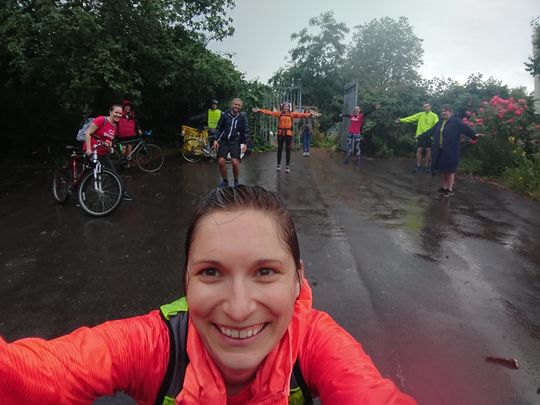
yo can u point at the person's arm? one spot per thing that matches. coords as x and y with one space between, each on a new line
336 368
219 130
97 123
244 133
129 355
410 118
371 109
266 112
468 131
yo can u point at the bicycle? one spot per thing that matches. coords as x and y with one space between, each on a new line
194 149
99 190
148 157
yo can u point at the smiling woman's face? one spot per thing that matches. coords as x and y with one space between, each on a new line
241 288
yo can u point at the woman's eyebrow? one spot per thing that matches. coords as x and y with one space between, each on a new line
205 261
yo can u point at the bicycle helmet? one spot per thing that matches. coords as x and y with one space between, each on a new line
214 102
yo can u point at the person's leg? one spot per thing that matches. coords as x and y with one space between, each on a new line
308 141
450 180
107 162
280 142
419 151
223 151
236 170
350 145
288 142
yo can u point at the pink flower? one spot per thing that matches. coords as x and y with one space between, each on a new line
468 113
500 115
518 112
481 110
522 101
510 120
511 107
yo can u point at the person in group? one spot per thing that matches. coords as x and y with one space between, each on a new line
355 131
212 117
128 129
232 137
425 120
446 136
285 130
306 131
245 333
104 129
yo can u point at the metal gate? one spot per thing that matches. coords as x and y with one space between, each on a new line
350 94
266 126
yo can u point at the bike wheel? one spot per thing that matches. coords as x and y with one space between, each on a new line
102 195
193 149
62 184
149 158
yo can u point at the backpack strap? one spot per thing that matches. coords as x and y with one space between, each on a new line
176 318
299 394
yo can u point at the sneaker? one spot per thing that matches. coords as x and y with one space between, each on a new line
307 154
236 183
304 154
278 168
418 169
287 170
346 161
448 193
224 183
358 161
127 196
427 170
441 190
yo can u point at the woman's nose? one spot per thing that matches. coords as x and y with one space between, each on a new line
240 302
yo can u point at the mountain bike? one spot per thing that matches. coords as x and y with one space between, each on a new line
98 190
148 157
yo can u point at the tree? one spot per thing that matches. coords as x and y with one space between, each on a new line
316 63
384 54
60 59
533 65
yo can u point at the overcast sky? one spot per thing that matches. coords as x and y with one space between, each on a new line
460 37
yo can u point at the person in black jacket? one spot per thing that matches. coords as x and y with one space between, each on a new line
232 136
446 147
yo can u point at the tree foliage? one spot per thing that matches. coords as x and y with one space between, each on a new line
62 59
316 63
533 65
384 54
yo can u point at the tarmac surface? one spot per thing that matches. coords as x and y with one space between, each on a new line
429 286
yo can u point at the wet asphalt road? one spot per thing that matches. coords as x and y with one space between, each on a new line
429 287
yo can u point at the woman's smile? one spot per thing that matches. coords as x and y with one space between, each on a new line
241 334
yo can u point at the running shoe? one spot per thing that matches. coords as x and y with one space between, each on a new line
224 183
441 190
448 193
236 183
127 196
287 170
278 168
346 161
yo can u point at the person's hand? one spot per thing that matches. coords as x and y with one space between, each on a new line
480 135
378 106
88 152
340 115
255 109
216 144
316 114
244 148
140 132
397 121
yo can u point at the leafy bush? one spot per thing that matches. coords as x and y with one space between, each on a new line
525 177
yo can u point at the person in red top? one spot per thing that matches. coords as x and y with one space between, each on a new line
104 129
250 322
128 128
285 130
355 130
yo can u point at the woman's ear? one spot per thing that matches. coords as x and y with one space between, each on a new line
299 279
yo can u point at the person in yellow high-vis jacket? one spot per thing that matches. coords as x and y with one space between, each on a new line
425 120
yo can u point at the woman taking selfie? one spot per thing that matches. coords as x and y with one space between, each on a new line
250 335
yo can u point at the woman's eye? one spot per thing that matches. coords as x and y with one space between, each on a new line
210 272
265 272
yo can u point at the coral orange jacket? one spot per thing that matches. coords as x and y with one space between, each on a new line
132 354
285 122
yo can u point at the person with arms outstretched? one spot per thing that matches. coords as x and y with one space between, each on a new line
354 132
285 130
425 120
